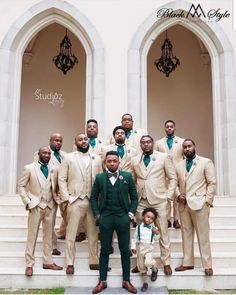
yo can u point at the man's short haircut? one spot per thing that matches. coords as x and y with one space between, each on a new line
149 136
152 210
169 121
117 128
188 139
92 121
126 114
112 153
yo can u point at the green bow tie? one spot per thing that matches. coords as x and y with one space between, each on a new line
44 169
57 155
148 226
110 174
120 151
92 142
146 160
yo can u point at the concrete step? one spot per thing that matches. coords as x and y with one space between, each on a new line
21 219
215 231
17 259
224 278
16 244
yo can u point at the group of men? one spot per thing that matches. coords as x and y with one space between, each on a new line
109 183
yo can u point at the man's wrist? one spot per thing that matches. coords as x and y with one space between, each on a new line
131 215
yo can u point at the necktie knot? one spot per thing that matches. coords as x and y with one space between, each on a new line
146 159
57 155
110 174
92 142
120 151
44 169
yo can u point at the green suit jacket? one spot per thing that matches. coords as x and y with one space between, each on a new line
127 192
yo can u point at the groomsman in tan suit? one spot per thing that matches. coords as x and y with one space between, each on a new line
76 178
37 188
156 183
133 135
197 188
172 145
95 144
126 153
55 144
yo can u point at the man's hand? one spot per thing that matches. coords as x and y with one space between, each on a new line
181 198
64 205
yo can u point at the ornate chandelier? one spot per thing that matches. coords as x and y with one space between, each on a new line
167 62
65 60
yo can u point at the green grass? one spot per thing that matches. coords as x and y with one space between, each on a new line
33 291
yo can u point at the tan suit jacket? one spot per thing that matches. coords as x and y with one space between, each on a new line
125 162
31 184
72 175
176 152
199 184
152 180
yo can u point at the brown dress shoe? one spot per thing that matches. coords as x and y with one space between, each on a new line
96 267
61 237
70 270
154 275
183 268
100 286
135 270
52 266
29 271
129 287
208 271
81 237
167 270
56 252
144 287
176 224
169 223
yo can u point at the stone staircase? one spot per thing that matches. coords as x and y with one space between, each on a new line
13 231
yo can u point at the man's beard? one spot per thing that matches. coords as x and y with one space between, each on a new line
192 155
82 149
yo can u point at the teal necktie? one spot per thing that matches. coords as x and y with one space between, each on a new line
44 169
57 155
169 142
146 160
120 151
110 174
189 163
128 133
92 142
148 226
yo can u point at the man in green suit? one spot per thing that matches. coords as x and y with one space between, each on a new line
114 201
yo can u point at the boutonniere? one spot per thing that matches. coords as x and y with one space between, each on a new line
176 140
153 159
121 177
125 182
194 163
99 141
52 171
135 131
128 151
93 158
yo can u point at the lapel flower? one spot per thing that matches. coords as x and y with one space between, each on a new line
93 158
99 141
153 159
128 151
194 163
121 177
135 131
176 141
125 182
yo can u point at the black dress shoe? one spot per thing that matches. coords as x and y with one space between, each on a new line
135 270
100 286
169 223
144 287
176 224
154 275
81 237
56 252
111 250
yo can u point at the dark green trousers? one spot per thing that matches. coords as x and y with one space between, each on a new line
107 226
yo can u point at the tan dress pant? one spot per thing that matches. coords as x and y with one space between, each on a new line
161 222
76 213
198 221
36 215
145 259
175 209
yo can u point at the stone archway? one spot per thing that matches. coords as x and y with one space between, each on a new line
223 79
12 48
